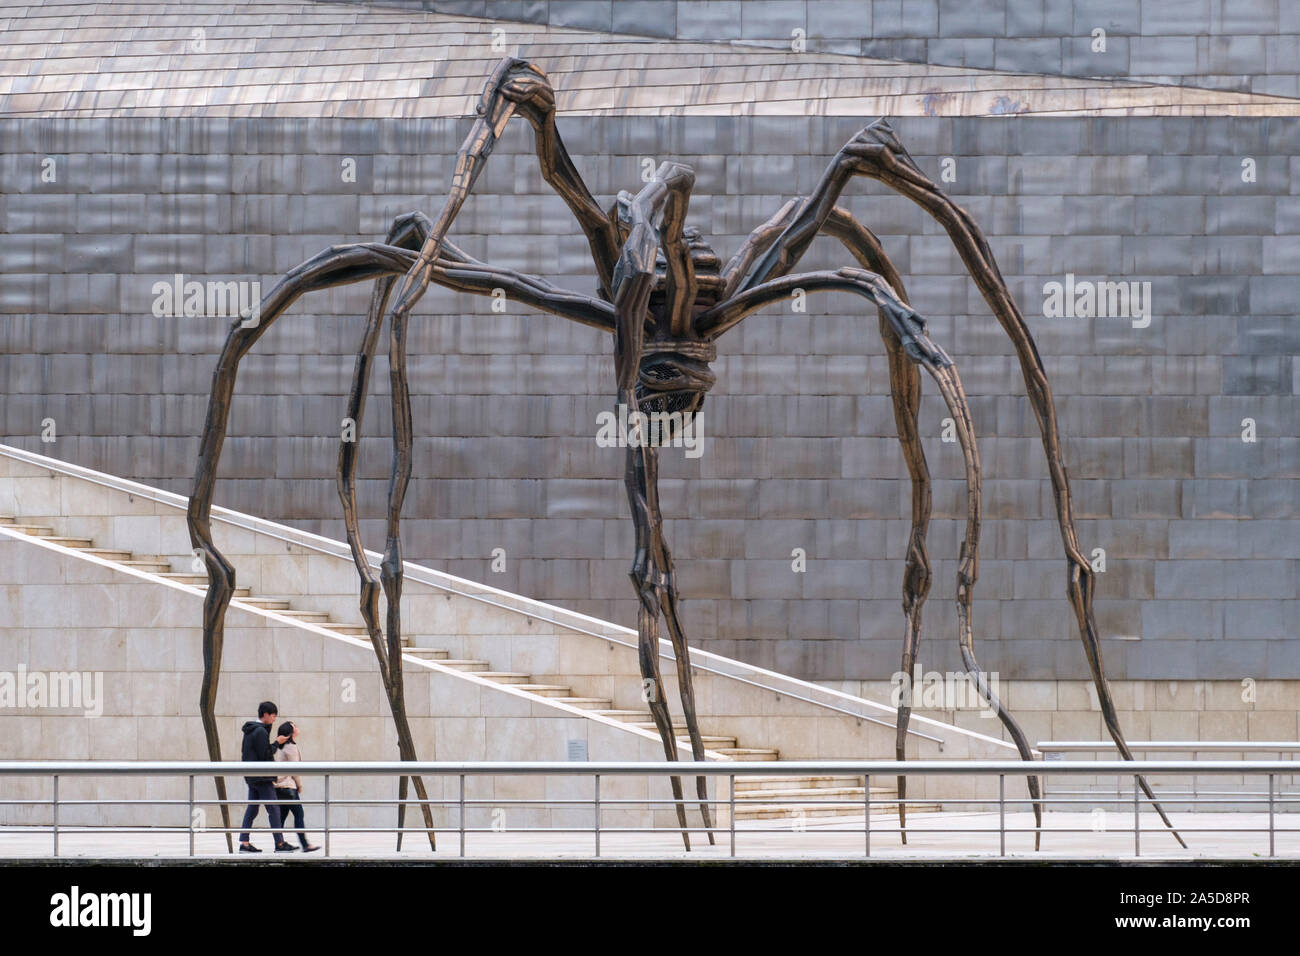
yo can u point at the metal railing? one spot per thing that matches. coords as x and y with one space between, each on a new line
1260 831
1056 750
1172 746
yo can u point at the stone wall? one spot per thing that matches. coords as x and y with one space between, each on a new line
1199 527
1246 45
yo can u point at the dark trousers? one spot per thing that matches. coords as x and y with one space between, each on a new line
259 794
295 808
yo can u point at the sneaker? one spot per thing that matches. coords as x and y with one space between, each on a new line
285 848
248 848
309 848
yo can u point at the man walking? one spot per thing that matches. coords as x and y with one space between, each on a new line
261 790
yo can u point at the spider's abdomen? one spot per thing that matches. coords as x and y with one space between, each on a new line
674 375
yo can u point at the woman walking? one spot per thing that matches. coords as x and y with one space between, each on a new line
288 788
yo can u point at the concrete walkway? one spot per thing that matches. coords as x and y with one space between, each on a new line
954 835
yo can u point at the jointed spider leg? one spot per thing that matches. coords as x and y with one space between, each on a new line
905 389
968 565
646 578
634 280
672 187
407 231
334 266
662 558
910 331
338 265
515 87
877 153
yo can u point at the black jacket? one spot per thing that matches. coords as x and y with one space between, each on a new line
257 746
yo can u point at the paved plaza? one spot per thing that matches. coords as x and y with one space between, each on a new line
932 836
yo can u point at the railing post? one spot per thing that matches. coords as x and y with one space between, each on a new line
1137 821
732 814
56 814
191 810
596 805
462 815
327 814
866 811
1002 814
1270 814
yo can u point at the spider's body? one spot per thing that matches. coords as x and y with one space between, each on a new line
673 374
664 295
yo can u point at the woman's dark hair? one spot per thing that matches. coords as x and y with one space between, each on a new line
286 730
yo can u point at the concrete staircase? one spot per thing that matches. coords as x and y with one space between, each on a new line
765 798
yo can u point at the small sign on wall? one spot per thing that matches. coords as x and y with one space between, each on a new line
578 750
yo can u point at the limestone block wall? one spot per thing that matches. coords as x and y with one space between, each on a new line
1148 710
1199 527
67 613
147 637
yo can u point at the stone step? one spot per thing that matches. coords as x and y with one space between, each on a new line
506 677
803 783
746 810
711 742
428 653
242 593
353 630
625 714
811 794
33 530
186 577
680 729
153 567
545 690
748 753
309 617
268 603
80 544
8 519
593 704
786 812
466 665
108 554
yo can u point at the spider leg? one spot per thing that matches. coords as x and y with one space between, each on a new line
338 265
516 86
407 230
757 243
655 218
663 560
334 266
877 153
968 564
646 579
905 389
910 331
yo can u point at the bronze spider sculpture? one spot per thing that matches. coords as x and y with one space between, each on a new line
666 298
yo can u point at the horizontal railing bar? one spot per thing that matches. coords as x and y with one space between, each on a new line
1057 797
1154 746
809 828
783 768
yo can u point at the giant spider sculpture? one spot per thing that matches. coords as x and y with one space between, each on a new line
666 299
